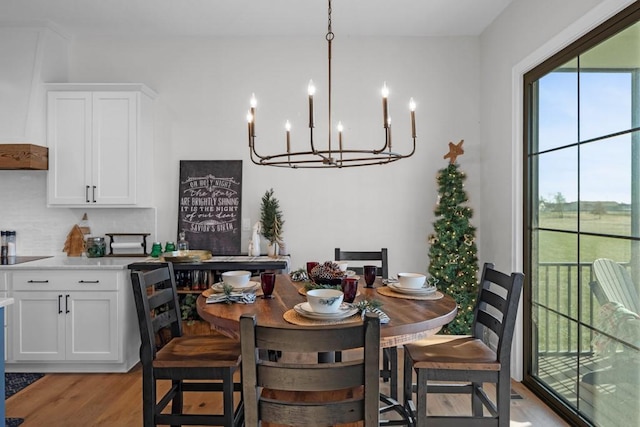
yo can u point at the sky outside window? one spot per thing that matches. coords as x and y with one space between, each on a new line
605 108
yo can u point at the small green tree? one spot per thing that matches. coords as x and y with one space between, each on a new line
599 209
560 203
453 253
271 217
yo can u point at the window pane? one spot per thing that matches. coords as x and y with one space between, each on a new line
557 363
609 375
558 108
558 187
605 103
605 84
605 186
594 247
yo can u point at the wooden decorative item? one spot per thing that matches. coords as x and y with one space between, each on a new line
23 156
74 245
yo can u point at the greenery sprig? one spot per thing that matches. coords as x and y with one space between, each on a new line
308 285
368 305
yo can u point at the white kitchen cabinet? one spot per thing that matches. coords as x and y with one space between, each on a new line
50 326
71 321
100 143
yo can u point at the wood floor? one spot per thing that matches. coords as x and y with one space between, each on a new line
114 400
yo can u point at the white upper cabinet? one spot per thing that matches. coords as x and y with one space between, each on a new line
100 145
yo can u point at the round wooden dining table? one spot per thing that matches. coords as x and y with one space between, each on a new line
410 319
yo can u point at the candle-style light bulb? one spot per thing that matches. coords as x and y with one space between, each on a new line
311 89
412 108
249 124
389 132
340 128
385 107
385 90
287 127
253 103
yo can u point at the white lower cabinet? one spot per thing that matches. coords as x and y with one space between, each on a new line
65 326
72 321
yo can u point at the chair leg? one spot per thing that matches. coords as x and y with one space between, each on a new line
407 382
421 398
503 398
476 403
148 399
392 354
176 402
385 363
227 397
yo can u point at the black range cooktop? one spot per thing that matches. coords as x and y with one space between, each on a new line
12 260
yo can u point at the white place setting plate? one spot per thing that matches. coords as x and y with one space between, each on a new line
412 291
251 287
345 310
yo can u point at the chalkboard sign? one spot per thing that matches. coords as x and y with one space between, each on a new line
209 205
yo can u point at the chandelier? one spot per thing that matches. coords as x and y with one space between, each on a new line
330 156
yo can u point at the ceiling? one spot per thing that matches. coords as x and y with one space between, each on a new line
215 18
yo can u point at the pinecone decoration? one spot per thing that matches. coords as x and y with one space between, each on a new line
327 273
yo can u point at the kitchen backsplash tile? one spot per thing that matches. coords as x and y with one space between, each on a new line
42 231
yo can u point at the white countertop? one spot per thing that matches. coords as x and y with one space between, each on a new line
79 263
5 302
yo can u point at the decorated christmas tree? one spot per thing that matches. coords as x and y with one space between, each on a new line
453 261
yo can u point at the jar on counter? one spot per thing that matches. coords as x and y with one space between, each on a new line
96 247
4 249
183 245
156 250
11 243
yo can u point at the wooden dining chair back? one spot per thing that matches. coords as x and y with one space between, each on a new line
462 364
207 361
380 257
614 284
298 391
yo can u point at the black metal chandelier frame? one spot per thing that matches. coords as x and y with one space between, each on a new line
330 157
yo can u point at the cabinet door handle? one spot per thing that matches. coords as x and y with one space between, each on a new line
59 304
94 194
86 193
88 281
38 281
66 303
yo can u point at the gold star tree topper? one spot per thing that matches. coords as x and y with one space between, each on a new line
455 150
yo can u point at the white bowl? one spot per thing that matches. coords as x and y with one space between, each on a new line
325 300
411 280
237 278
342 264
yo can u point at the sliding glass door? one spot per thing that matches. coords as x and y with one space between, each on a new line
582 226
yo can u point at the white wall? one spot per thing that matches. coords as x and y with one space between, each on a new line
204 88
523 36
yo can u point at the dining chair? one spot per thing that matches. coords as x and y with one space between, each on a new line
301 392
389 370
202 363
463 364
379 256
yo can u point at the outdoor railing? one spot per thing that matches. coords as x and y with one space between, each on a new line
564 308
